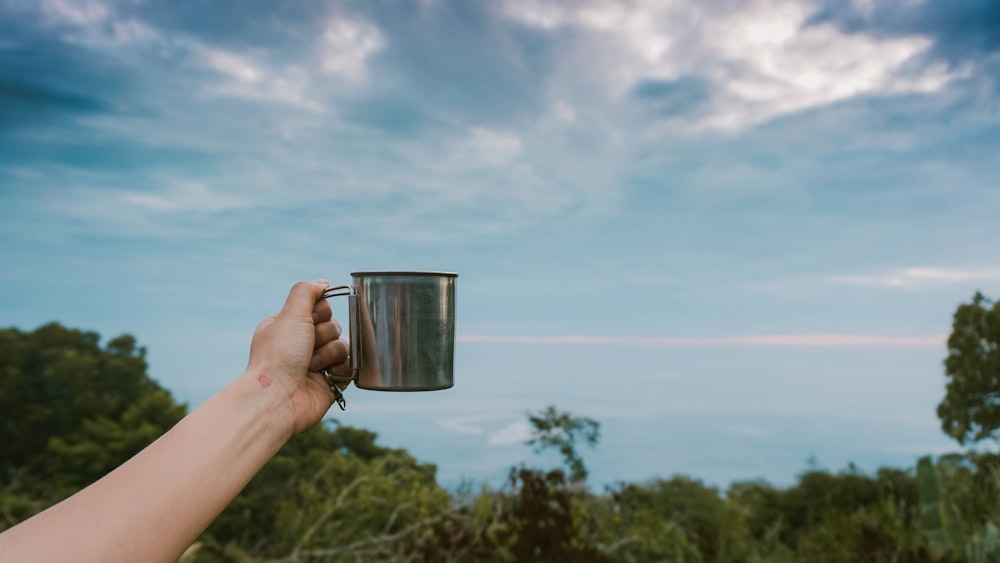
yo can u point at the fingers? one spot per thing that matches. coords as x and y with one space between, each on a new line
326 332
332 356
304 295
342 373
322 312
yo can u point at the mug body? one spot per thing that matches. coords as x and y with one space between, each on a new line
403 330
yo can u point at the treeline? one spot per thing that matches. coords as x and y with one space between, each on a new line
71 410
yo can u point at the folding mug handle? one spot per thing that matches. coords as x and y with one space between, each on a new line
355 339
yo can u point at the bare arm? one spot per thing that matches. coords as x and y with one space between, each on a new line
156 504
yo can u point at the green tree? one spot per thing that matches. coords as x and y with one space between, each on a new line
70 411
675 520
970 410
100 444
549 519
561 431
330 494
706 521
52 380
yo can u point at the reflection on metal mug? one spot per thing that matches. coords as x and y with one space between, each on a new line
402 330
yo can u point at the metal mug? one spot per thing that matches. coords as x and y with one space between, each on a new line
402 330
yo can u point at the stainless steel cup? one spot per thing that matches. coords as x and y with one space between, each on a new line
402 329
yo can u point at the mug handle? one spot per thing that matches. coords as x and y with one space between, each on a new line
355 339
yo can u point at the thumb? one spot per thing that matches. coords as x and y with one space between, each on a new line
303 297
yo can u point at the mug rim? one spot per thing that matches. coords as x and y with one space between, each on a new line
405 273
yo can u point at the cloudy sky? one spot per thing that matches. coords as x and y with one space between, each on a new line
732 231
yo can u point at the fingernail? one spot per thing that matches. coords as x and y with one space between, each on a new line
315 318
322 281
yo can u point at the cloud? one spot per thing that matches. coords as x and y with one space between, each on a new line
960 31
80 13
346 46
466 426
485 147
229 64
183 197
45 81
463 60
94 23
251 80
515 433
467 120
920 277
682 96
770 340
758 59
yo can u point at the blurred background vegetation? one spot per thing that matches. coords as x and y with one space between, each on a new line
71 410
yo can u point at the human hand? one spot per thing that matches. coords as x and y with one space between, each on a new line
291 349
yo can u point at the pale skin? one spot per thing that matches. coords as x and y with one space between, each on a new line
155 505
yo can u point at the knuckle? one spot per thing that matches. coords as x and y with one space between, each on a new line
302 286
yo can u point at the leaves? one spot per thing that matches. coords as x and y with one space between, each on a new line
970 410
73 410
940 517
561 431
54 380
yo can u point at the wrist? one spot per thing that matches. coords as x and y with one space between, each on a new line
268 398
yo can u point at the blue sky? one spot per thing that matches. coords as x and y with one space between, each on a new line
733 232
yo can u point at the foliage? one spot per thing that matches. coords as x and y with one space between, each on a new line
651 522
940 516
970 410
329 496
72 410
561 431
548 519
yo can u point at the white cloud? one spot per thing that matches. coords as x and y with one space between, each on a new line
93 23
183 196
252 80
131 31
78 12
918 277
781 72
346 47
538 13
515 433
486 147
760 58
229 64
564 112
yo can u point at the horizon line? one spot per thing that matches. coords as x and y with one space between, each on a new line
817 340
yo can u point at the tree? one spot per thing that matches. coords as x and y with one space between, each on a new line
54 379
100 444
549 520
970 410
330 494
561 431
71 411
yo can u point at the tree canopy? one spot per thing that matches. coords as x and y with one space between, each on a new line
970 410
72 409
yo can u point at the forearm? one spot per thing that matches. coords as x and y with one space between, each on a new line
156 504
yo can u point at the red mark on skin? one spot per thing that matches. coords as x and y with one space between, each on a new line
264 380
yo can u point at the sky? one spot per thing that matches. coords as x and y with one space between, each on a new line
734 233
